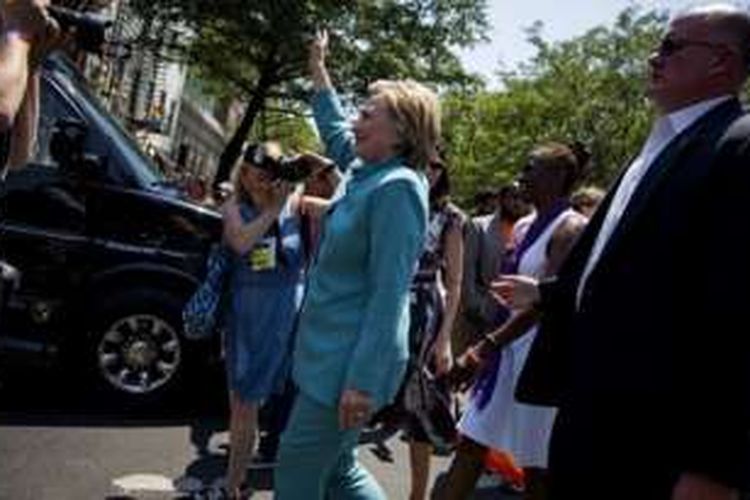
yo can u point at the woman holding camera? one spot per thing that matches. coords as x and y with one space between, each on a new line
262 231
351 350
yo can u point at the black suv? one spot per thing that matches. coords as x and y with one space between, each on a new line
107 250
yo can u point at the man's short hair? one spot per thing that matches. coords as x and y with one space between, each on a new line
484 195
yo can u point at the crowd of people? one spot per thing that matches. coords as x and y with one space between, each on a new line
602 349
540 297
441 267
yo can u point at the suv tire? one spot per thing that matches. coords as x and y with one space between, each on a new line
136 349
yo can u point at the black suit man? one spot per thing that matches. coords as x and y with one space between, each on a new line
644 344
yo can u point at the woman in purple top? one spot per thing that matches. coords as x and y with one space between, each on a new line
493 420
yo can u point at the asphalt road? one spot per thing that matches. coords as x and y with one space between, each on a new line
60 442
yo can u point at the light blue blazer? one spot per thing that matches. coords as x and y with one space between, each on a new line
353 327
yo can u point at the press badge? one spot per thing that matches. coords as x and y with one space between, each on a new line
263 255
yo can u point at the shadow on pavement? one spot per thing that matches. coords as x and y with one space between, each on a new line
490 490
53 397
208 471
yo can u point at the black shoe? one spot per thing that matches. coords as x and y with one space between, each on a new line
263 460
221 493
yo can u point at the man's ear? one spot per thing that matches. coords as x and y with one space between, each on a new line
721 63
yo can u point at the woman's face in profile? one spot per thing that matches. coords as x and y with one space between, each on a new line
539 180
434 171
375 131
255 180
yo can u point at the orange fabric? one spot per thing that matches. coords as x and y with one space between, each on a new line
506 229
503 464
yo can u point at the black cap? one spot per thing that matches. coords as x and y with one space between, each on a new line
255 154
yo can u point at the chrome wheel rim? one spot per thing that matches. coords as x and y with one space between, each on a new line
139 353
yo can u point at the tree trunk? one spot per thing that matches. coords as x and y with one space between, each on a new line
233 150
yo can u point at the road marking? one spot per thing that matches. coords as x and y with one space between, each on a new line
145 483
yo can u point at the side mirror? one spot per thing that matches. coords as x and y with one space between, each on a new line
66 144
67 148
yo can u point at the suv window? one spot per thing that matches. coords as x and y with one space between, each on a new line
40 195
133 167
53 107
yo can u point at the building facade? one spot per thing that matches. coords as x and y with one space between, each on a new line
150 90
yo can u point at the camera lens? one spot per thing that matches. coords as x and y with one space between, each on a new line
295 169
90 29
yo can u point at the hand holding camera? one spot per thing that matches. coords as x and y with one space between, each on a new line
292 169
88 29
47 27
25 18
279 194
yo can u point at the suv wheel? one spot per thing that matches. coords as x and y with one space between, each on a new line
137 348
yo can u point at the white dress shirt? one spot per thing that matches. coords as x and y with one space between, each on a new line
664 130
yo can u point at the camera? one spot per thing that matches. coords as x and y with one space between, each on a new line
90 29
292 169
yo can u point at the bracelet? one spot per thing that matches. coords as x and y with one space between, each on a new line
473 357
491 340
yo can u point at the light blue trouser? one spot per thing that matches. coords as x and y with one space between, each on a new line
317 460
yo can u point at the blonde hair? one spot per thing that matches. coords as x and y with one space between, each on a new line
270 149
416 113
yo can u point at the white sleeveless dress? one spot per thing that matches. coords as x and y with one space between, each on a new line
504 424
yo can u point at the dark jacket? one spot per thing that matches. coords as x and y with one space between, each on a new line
660 343
484 249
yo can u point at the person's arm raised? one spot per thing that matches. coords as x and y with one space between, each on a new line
317 62
327 111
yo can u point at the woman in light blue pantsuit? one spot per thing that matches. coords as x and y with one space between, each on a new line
351 349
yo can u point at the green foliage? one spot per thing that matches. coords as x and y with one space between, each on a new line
590 88
292 130
237 41
257 50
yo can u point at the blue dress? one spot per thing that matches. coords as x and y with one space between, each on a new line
265 293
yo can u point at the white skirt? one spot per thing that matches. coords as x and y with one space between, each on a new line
504 424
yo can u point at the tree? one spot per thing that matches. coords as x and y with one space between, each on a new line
589 88
258 49
292 129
